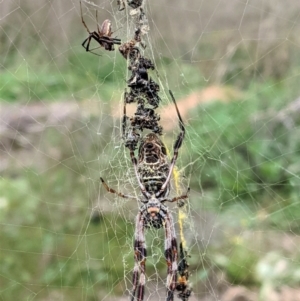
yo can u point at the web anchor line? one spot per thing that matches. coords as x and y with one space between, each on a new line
152 168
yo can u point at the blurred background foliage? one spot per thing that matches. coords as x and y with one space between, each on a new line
62 237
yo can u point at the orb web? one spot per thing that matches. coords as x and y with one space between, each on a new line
234 70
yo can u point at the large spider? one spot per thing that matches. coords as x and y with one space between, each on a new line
103 36
153 173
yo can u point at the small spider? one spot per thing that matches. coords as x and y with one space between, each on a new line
103 36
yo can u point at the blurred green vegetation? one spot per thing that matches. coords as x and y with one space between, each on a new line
82 76
247 152
40 252
245 158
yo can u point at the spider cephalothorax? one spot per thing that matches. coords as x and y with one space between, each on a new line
154 213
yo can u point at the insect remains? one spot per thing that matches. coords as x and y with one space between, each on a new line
103 35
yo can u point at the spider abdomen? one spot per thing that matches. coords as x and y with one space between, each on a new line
153 167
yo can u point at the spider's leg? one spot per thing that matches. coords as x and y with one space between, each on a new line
87 46
134 163
140 254
183 286
124 115
99 39
94 35
109 40
170 254
91 51
97 22
125 196
87 41
83 20
117 41
177 146
181 197
181 135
